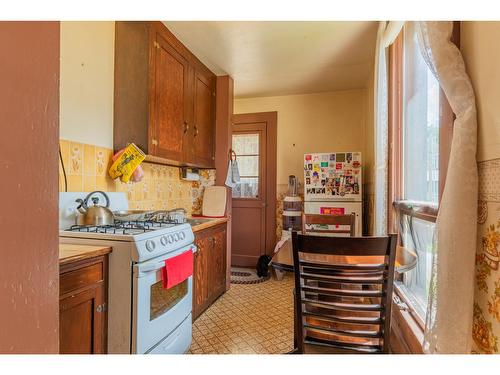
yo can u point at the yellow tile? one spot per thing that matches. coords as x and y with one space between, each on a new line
111 184
103 160
89 183
75 159
75 183
89 161
102 183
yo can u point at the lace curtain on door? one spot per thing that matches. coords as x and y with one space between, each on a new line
449 313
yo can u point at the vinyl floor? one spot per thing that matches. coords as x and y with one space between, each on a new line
248 319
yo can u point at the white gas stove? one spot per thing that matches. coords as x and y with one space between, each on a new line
142 316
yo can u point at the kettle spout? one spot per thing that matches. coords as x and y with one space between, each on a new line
82 207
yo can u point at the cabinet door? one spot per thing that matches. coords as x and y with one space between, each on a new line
81 326
200 289
218 264
204 119
170 101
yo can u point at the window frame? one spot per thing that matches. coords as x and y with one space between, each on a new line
410 320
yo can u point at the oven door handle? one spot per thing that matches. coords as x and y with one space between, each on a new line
146 268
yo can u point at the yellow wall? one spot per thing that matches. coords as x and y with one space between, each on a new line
87 68
479 45
322 122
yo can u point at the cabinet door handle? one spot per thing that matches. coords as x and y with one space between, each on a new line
195 131
186 127
101 308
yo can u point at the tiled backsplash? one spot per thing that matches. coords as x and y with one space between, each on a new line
161 188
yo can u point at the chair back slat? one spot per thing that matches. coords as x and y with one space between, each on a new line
342 292
343 345
364 321
344 306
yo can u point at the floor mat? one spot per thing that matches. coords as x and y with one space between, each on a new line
241 275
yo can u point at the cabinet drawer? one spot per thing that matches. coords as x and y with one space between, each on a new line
81 277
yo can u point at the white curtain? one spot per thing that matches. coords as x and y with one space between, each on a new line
387 33
449 315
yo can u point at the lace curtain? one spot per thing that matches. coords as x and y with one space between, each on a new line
448 327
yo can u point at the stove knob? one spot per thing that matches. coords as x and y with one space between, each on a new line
163 240
176 237
150 245
170 238
182 235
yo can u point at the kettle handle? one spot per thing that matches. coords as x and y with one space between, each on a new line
100 192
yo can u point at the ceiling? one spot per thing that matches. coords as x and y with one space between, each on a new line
283 58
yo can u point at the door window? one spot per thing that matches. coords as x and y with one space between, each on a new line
247 147
164 299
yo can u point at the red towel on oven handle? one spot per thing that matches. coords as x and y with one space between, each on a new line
177 269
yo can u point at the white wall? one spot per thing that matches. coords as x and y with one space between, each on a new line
322 122
87 69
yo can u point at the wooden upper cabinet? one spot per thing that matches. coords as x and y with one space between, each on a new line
171 72
204 119
164 97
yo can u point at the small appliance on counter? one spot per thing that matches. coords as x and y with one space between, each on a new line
189 174
292 207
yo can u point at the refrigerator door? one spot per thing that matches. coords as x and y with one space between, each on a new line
337 208
333 176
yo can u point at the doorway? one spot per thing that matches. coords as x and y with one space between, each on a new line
254 140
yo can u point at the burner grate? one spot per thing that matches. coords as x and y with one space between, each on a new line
126 227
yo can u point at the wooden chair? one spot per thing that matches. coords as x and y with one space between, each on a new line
329 220
343 305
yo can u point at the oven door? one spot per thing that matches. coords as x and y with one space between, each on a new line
158 312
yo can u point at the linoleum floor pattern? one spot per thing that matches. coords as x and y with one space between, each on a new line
248 319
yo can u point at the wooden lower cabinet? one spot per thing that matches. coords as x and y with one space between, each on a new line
82 306
209 267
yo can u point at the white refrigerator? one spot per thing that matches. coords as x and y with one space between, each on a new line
333 185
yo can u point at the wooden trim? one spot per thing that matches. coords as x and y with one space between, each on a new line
224 102
407 335
395 117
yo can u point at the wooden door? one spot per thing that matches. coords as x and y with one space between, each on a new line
217 267
254 198
170 101
204 119
201 284
81 326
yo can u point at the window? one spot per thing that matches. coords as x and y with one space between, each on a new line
420 134
246 147
420 125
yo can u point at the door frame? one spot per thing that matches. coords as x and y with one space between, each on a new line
271 120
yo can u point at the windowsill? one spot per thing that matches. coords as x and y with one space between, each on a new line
415 312
409 326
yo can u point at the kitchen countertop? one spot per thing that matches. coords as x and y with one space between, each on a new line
69 253
211 222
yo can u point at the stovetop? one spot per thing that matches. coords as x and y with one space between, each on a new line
130 228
